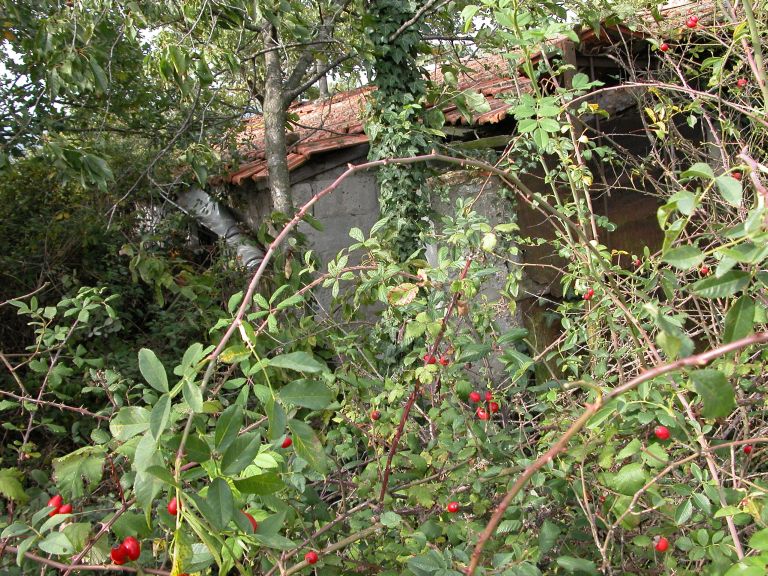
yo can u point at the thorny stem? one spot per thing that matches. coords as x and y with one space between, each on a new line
692 361
415 392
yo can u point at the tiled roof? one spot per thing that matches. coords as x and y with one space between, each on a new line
337 122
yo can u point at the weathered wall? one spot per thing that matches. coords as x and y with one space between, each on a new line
353 204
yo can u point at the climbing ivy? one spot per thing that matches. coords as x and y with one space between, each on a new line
398 122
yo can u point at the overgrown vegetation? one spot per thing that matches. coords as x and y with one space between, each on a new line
408 432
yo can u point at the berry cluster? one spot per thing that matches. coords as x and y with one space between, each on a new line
481 412
58 506
129 549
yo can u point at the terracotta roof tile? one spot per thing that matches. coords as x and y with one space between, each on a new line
337 122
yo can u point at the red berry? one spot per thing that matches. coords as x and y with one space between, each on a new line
704 271
132 547
474 396
747 449
66 509
482 414
452 507
311 557
741 82
118 554
637 263
662 433
429 359
664 47
588 294
56 502
662 544
252 520
694 18
494 407
287 442
692 22
173 507
488 396
736 175
444 361
375 415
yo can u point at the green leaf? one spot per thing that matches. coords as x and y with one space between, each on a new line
716 393
307 393
684 257
70 471
726 285
56 543
747 567
192 396
153 370
683 512
276 416
740 320
577 565
298 361
98 73
15 529
229 424
161 413
129 422
220 503
261 484
240 454
727 511
476 102
391 519
10 485
275 541
427 564
472 353
548 536
759 540
699 170
629 479
730 190
308 446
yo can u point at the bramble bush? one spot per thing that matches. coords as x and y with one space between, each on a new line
641 452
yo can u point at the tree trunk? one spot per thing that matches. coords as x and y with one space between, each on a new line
322 81
274 125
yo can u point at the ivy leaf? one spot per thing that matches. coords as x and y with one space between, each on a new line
716 393
70 471
308 446
152 370
307 393
10 486
298 361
